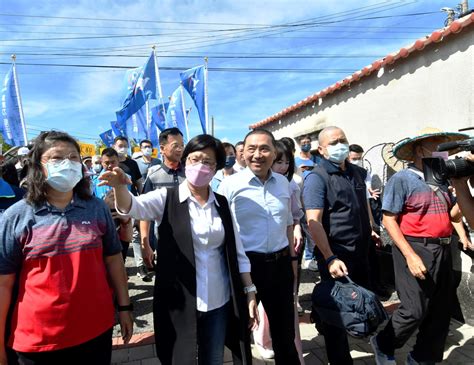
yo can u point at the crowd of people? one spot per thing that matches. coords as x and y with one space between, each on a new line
224 231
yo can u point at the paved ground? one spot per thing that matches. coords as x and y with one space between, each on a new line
459 348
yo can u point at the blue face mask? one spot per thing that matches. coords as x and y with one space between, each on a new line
63 176
338 152
306 147
229 162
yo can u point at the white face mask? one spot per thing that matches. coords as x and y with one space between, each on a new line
359 163
63 176
338 152
122 151
147 151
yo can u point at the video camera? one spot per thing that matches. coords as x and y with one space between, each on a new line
437 171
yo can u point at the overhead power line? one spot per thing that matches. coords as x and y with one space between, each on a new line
180 68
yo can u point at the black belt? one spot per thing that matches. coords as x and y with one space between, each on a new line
437 241
269 257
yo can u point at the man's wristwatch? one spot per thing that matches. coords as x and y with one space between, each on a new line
250 288
125 308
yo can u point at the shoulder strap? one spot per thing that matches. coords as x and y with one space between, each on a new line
435 188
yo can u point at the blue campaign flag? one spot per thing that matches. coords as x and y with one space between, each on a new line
176 114
141 90
137 125
117 130
194 81
158 115
12 125
107 137
128 85
147 80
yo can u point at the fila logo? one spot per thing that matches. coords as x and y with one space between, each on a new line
85 222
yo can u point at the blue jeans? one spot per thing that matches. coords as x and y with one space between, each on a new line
211 330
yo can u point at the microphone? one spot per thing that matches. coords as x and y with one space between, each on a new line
466 145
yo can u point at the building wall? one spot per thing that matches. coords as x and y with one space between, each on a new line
434 87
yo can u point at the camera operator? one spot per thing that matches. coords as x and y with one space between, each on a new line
464 196
419 216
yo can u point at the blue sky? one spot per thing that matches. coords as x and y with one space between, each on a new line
329 38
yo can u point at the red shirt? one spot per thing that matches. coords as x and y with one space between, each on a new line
64 296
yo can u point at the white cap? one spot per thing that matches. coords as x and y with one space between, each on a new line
22 151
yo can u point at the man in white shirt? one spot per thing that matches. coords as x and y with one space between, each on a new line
260 203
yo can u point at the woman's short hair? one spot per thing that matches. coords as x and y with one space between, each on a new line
284 150
201 142
37 186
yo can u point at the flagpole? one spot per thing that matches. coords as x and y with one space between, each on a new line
158 80
20 105
148 119
184 110
205 95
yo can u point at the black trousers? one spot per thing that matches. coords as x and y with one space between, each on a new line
424 304
97 351
335 338
274 282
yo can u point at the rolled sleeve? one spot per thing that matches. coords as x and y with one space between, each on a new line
314 192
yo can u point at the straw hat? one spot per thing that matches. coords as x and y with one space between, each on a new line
403 150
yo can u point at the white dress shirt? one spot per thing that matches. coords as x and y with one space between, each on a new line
262 210
212 276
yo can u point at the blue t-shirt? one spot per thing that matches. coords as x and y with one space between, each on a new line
143 166
9 195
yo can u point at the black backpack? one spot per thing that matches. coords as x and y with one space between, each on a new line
343 303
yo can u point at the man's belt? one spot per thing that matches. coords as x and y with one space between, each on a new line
437 241
269 257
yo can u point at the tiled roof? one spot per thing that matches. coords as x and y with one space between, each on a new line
437 36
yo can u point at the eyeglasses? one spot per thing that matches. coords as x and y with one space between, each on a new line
57 159
207 162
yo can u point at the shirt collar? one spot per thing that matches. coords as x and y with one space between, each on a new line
76 202
168 170
185 193
249 175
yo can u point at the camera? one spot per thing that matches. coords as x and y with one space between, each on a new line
437 171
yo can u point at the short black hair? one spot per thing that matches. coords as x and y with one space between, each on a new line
356 148
304 136
239 143
201 142
120 138
290 143
261 131
163 139
145 141
227 144
109 152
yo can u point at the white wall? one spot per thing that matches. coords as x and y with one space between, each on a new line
433 87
